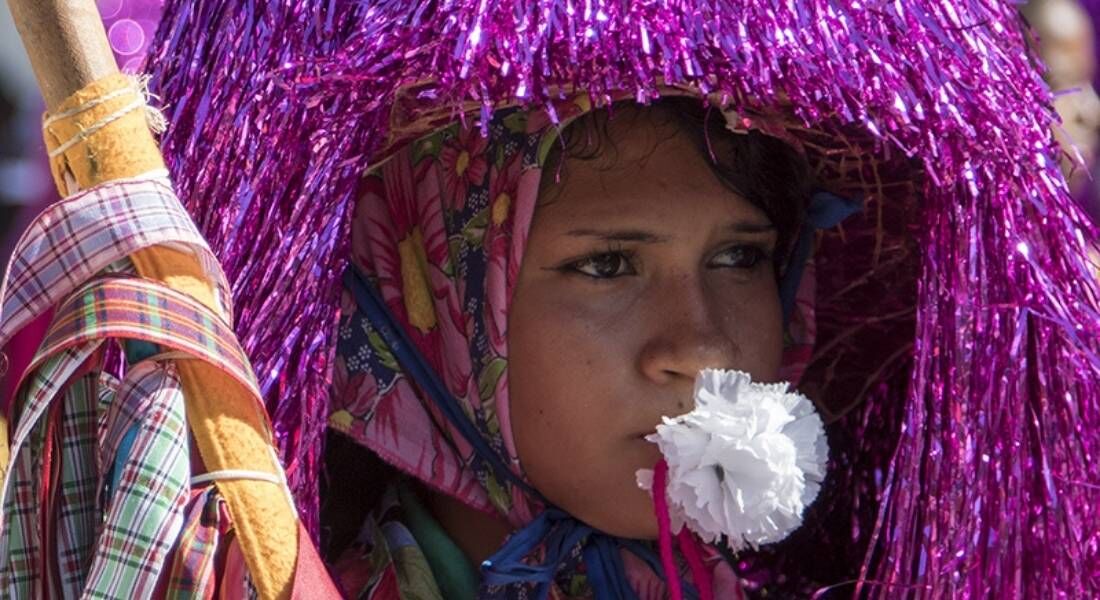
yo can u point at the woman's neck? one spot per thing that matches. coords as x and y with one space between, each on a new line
477 534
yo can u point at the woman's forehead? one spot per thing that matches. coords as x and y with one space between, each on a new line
648 171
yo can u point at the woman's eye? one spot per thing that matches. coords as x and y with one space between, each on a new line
603 266
740 257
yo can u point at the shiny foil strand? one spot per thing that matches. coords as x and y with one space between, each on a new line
969 466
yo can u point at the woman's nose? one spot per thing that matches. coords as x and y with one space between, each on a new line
687 334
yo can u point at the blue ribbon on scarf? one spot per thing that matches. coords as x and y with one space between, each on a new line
556 530
826 210
559 532
413 362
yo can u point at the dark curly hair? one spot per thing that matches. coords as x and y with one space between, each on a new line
760 168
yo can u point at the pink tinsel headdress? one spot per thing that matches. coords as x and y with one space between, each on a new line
967 468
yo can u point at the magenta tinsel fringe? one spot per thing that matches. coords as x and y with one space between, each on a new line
987 485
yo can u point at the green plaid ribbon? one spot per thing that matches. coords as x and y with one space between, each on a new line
22 573
76 513
146 510
129 439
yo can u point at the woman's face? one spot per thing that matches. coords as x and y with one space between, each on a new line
640 270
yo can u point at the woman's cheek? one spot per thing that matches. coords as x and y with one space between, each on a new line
584 343
571 383
555 362
754 324
571 357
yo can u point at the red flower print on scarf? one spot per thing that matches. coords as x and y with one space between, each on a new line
403 433
401 229
354 398
503 185
464 164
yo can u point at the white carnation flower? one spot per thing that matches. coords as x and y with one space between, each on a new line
745 463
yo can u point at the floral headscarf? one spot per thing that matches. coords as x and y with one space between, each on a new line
441 229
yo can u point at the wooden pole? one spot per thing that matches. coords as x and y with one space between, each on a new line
66 43
69 50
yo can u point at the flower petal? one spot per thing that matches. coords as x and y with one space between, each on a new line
745 463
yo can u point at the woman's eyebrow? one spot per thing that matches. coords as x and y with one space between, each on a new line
620 235
750 227
648 237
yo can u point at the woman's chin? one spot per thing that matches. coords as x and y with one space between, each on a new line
632 516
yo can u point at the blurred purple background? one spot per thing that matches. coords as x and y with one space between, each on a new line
130 27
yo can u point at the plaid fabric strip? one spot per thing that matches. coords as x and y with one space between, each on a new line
74 239
19 547
19 532
146 511
77 516
106 392
129 307
123 414
192 573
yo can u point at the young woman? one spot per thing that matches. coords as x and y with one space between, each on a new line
567 289
490 243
